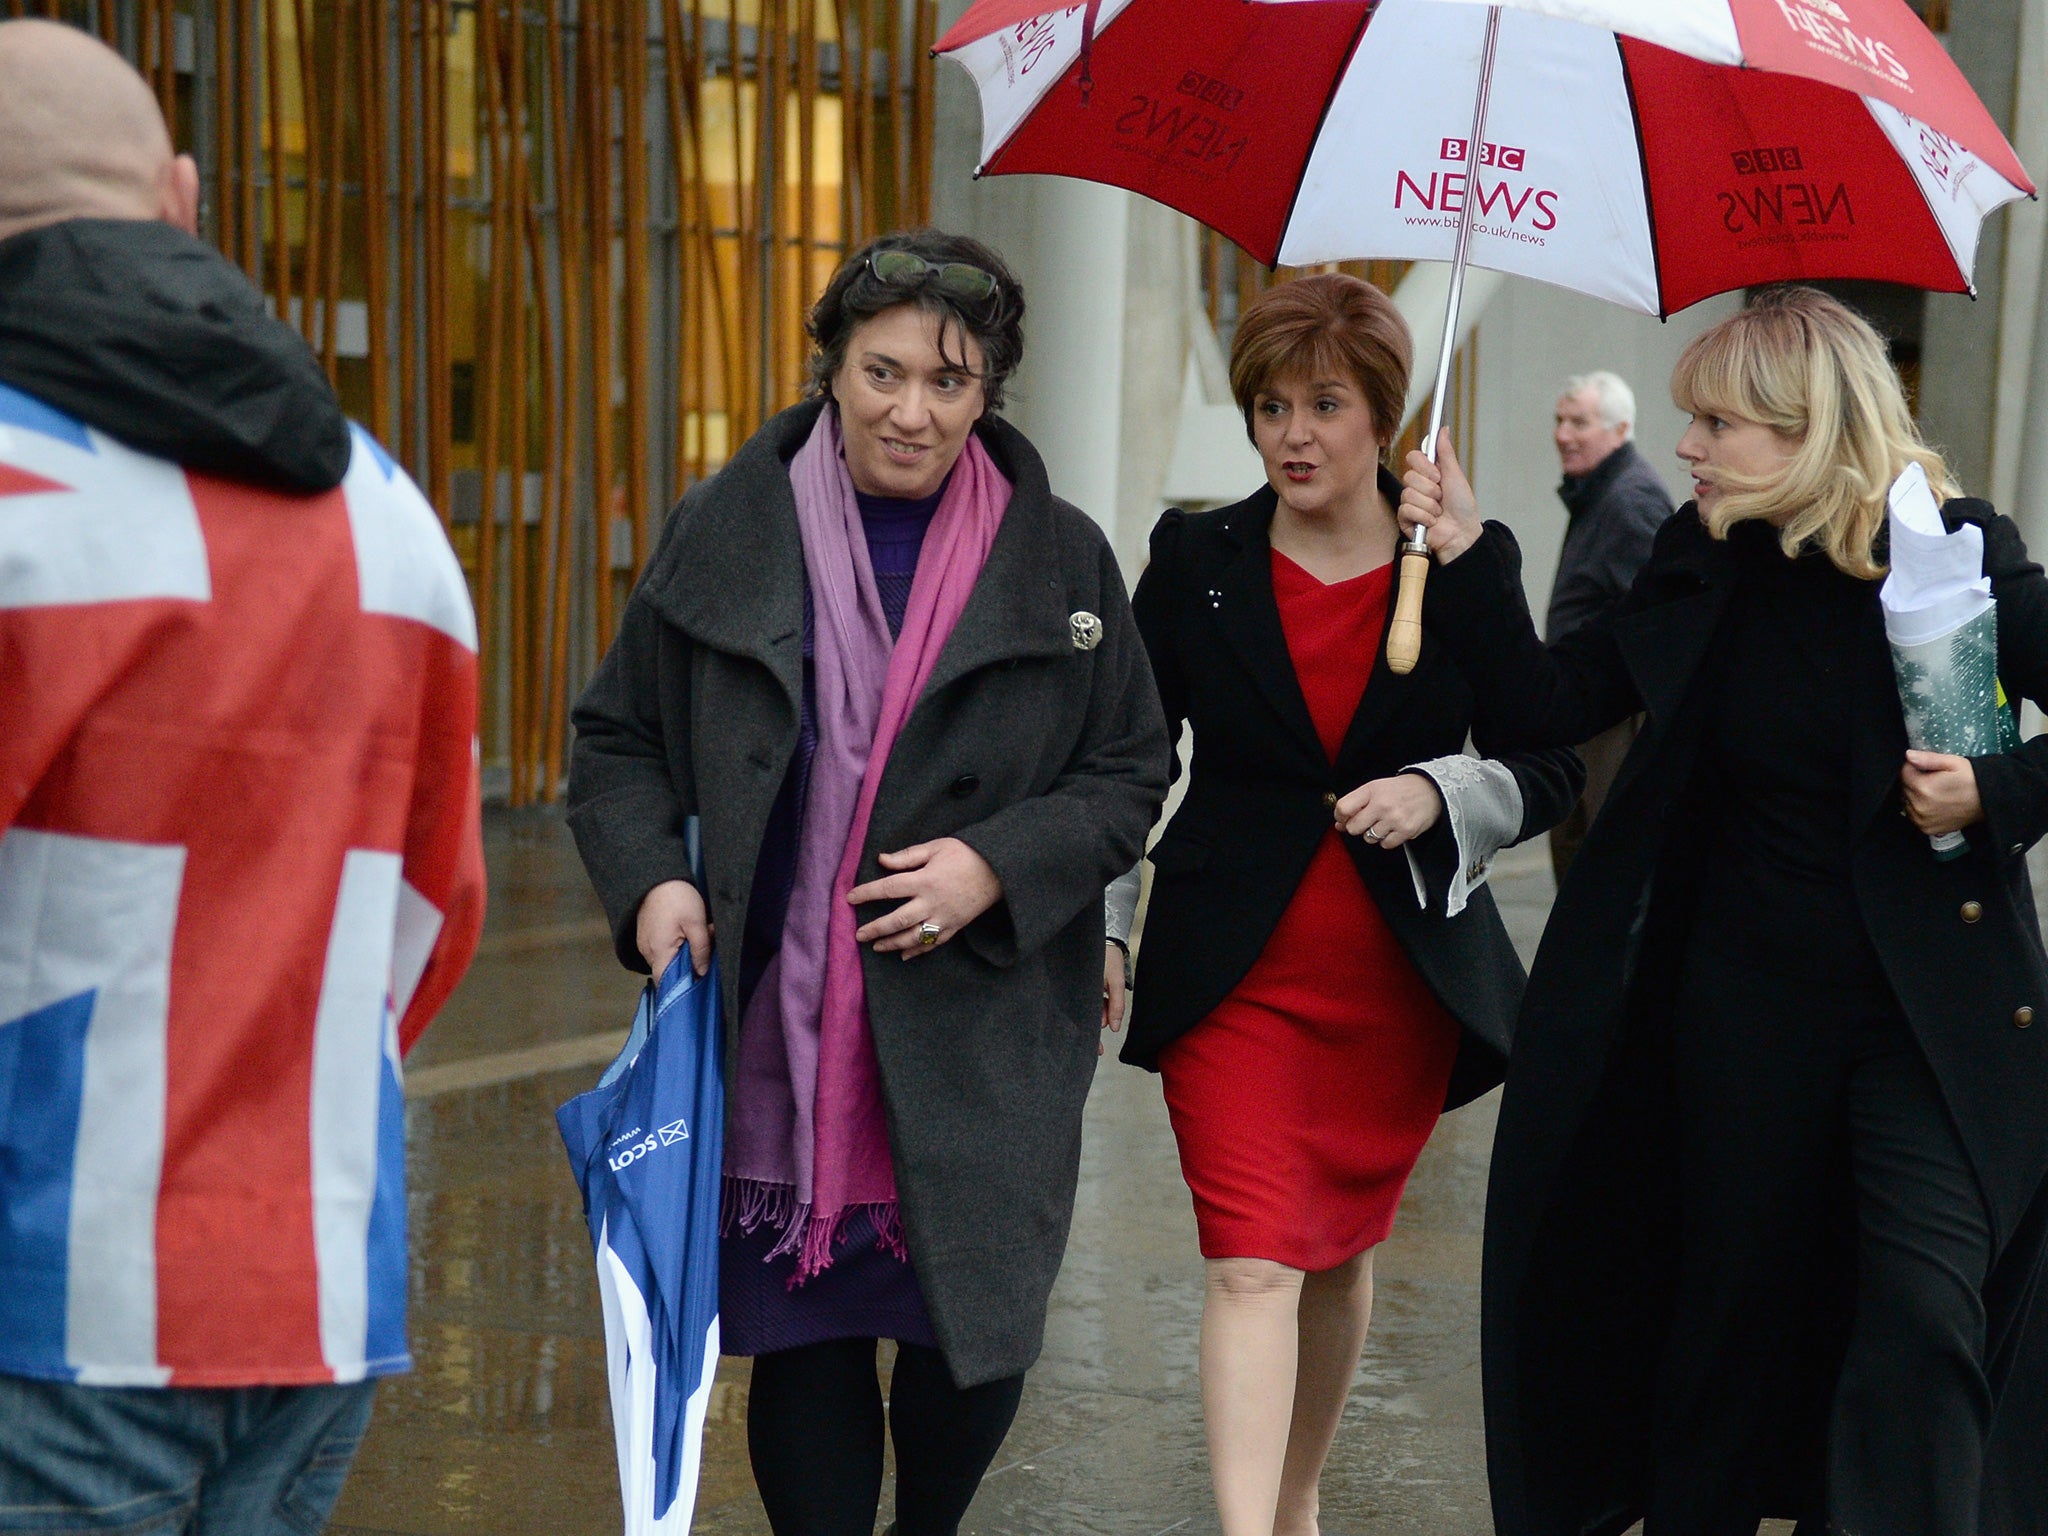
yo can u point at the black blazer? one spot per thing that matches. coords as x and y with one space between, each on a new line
1578 1266
1261 788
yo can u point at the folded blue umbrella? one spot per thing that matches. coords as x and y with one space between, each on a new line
647 1145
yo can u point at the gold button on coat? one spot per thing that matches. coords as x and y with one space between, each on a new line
1330 798
1972 910
2022 1017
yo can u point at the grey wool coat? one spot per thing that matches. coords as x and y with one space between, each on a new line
1047 759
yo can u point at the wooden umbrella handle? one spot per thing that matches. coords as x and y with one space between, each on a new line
1404 635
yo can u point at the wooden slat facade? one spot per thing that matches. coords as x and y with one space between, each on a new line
557 254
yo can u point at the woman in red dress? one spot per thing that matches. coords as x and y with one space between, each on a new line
1324 971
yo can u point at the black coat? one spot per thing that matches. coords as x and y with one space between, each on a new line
1048 760
161 342
1261 788
1580 1262
1616 509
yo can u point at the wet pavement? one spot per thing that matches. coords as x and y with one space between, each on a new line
503 1427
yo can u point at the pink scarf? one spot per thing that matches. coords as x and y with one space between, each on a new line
808 1142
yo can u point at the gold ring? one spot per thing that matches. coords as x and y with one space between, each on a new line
928 934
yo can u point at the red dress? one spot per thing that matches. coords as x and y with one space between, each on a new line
1302 1102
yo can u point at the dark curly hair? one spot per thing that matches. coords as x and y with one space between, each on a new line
855 295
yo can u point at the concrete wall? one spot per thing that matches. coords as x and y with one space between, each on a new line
2022 385
1531 338
1110 283
1959 354
1164 301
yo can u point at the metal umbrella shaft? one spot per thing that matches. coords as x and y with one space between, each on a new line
1404 635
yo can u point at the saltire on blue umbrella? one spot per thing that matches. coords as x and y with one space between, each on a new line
647 1146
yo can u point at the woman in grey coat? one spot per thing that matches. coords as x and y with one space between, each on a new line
899 683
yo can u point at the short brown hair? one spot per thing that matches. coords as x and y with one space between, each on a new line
1326 326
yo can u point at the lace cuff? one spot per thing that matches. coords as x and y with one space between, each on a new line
1483 804
1120 905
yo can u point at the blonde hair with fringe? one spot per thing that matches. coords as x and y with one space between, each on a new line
1814 371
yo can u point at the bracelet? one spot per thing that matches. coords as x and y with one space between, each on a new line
1123 948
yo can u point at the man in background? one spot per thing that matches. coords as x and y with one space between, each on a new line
1616 502
240 853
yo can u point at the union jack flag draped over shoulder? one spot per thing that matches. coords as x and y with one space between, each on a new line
240 868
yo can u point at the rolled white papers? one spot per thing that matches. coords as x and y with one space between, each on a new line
1943 627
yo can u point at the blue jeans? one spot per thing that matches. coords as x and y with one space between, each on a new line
175 1461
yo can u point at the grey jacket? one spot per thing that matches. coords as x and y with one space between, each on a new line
1616 509
1048 759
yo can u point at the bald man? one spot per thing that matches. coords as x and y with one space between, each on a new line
110 310
81 136
240 861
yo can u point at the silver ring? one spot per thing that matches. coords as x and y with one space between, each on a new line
928 934
1372 834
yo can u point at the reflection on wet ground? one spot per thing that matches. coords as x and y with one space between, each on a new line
504 1428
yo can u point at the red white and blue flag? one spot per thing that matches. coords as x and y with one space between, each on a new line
240 869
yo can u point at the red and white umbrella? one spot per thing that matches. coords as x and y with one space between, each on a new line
1647 152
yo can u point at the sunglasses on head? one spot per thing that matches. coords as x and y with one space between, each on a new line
955 277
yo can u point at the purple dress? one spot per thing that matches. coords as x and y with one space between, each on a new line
867 1292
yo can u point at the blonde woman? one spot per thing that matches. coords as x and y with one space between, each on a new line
1766 1204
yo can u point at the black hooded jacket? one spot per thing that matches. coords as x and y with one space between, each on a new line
154 338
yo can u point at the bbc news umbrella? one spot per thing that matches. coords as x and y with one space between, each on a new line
647 1147
1942 623
1653 159
1651 153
